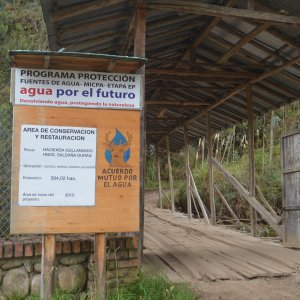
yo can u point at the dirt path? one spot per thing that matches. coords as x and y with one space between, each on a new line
219 263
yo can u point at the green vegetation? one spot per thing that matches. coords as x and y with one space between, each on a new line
21 27
151 288
145 287
231 147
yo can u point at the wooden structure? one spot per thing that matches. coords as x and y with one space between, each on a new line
210 66
290 159
186 251
109 203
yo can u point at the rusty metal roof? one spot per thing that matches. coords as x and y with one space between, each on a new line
197 67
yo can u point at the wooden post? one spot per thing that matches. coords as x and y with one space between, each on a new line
253 214
100 263
227 205
210 172
48 266
139 51
159 179
170 175
187 173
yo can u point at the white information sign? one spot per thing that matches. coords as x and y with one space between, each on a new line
60 88
57 166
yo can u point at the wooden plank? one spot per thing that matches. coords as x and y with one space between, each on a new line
100 264
291 193
194 189
267 204
187 174
227 205
268 250
159 265
86 26
175 103
165 195
221 11
83 8
170 175
210 171
251 158
199 74
244 193
251 200
160 249
139 50
48 266
158 178
53 219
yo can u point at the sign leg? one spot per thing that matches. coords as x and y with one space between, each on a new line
100 264
48 266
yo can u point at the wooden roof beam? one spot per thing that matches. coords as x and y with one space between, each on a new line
206 30
203 73
242 42
235 91
221 11
86 26
199 78
75 10
175 103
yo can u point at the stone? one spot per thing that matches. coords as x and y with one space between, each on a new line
37 267
72 278
36 285
28 266
2 297
16 283
72 259
14 263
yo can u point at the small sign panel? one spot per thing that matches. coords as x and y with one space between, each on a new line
57 166
44 87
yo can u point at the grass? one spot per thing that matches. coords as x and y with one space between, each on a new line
145 287
148 287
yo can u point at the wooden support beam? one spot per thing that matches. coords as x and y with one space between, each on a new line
129 36
206 29
245 194
198 78
227 205
243 41
170 175
267 204
199 74
158 177
253 214
75 10
139 49
187 174
195 191
175 103
195 88
48 267
162 112
235 91
92 24
210 171
165 194
220 11
100 265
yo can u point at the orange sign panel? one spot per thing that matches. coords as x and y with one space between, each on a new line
75 170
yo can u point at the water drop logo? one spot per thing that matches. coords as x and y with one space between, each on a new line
117 151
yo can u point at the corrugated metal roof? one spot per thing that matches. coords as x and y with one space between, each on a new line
169 38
